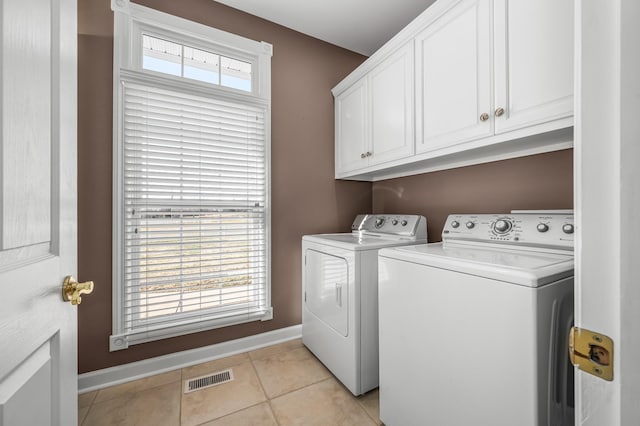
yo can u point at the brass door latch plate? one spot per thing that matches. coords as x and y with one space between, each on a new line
591 352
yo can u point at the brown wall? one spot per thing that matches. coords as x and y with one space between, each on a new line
543 181
305 197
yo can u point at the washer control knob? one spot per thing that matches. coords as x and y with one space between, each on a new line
455 224
542 227
502 226
404 222
394 222
470 225
567 228
379 222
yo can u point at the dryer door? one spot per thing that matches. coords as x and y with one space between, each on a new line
327 289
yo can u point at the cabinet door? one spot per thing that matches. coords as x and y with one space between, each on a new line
533 62
351 128
391 94
453 58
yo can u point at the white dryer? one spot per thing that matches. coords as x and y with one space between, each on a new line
340 294
473 330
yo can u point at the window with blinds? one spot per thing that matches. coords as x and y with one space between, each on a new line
192 195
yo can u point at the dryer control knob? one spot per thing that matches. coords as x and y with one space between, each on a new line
567 228
404 223
501 226
394 222
379 222
455 224
542 227
470 225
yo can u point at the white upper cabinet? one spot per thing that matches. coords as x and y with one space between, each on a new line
459 99
391 98
492 79
374 117
352 127
533 50
453 77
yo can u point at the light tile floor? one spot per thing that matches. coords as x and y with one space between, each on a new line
278 385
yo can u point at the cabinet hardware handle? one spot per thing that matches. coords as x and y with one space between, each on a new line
499 111
484 116
363 155
369 154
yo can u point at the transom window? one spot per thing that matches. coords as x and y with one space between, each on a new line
179 60
191 193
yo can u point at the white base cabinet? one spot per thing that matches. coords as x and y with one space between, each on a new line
492 79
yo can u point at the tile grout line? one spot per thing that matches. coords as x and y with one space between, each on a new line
88 407
331 376
229 367
357 400
138 391
269 400
377 422
85 415
255 370
303 387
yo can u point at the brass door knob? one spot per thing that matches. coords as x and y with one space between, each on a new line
484 116
499 111
72 290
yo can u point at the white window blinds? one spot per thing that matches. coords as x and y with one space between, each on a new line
194 201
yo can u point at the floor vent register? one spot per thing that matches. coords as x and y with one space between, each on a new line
209 380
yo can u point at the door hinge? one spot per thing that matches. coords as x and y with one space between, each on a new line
591 352
305 296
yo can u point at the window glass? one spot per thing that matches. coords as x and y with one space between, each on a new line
161 55
201 65
236 74
185 61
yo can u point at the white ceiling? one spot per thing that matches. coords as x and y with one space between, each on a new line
358 25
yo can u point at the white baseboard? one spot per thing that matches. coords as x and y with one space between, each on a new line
111 376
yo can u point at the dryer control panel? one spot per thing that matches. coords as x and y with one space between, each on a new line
535 229
399 225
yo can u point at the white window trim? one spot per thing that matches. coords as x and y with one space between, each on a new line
130 21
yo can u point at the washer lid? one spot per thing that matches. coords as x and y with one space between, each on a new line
356 241
522 267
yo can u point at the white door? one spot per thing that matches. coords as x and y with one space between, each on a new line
38 371
533 62
391 98
453 77
607 201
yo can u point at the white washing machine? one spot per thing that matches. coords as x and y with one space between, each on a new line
340 294
473 330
